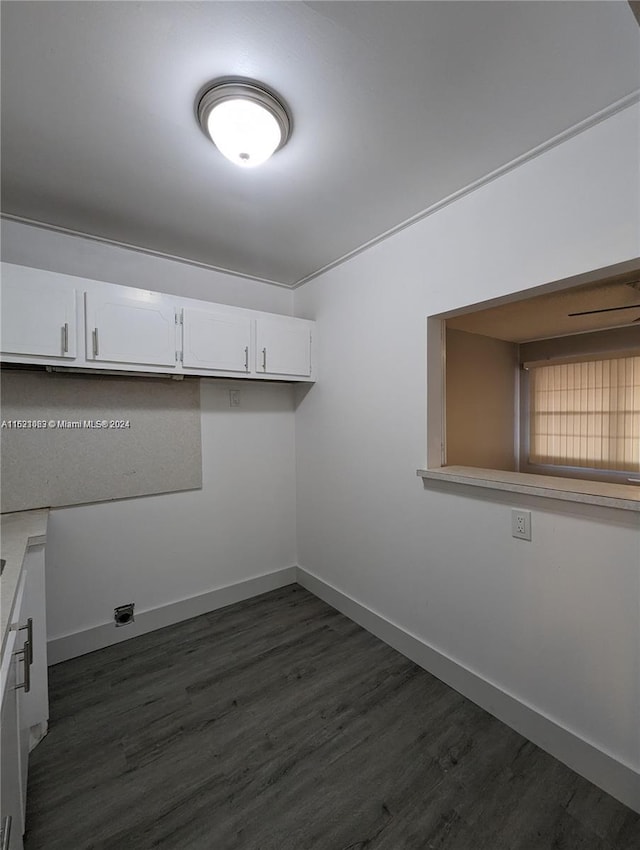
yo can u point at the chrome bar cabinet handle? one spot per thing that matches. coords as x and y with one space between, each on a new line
6 832
29 640
26 654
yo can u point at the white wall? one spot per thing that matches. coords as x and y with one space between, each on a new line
553 622
27 245
157 550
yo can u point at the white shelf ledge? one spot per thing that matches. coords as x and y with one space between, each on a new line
625 497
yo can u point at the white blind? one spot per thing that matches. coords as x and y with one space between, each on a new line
586 414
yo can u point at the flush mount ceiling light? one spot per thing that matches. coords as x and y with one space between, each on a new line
244 120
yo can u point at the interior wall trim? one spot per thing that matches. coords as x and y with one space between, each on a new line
106 634
603 769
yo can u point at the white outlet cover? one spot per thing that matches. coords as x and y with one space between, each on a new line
521 524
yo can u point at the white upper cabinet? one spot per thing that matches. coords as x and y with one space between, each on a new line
216 340
283 346
62 322
38 313
136 327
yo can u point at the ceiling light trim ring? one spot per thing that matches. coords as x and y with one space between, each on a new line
225 89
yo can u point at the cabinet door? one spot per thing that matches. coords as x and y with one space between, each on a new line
283 346
34 711
11 787
130 328
214 340
38 313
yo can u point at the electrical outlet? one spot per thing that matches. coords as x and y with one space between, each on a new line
234 398
521 524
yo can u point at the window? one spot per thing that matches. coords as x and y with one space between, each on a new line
586 414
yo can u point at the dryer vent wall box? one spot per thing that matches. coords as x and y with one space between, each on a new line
123 615
52 319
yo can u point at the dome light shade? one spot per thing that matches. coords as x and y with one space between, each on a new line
244 131
245 121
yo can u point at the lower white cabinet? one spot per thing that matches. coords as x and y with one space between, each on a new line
136 327
11 795
25 704
215 340
283 346
15 752
35 702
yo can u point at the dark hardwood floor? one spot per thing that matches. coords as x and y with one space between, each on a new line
278 724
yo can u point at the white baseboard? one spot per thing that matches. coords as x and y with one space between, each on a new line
79 643
604 770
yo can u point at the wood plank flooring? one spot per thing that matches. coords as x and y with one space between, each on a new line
278 724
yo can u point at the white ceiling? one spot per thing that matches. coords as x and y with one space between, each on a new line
396 105
550 315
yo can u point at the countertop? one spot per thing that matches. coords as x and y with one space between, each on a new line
621 496
17 532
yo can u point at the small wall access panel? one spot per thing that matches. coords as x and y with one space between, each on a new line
71 439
